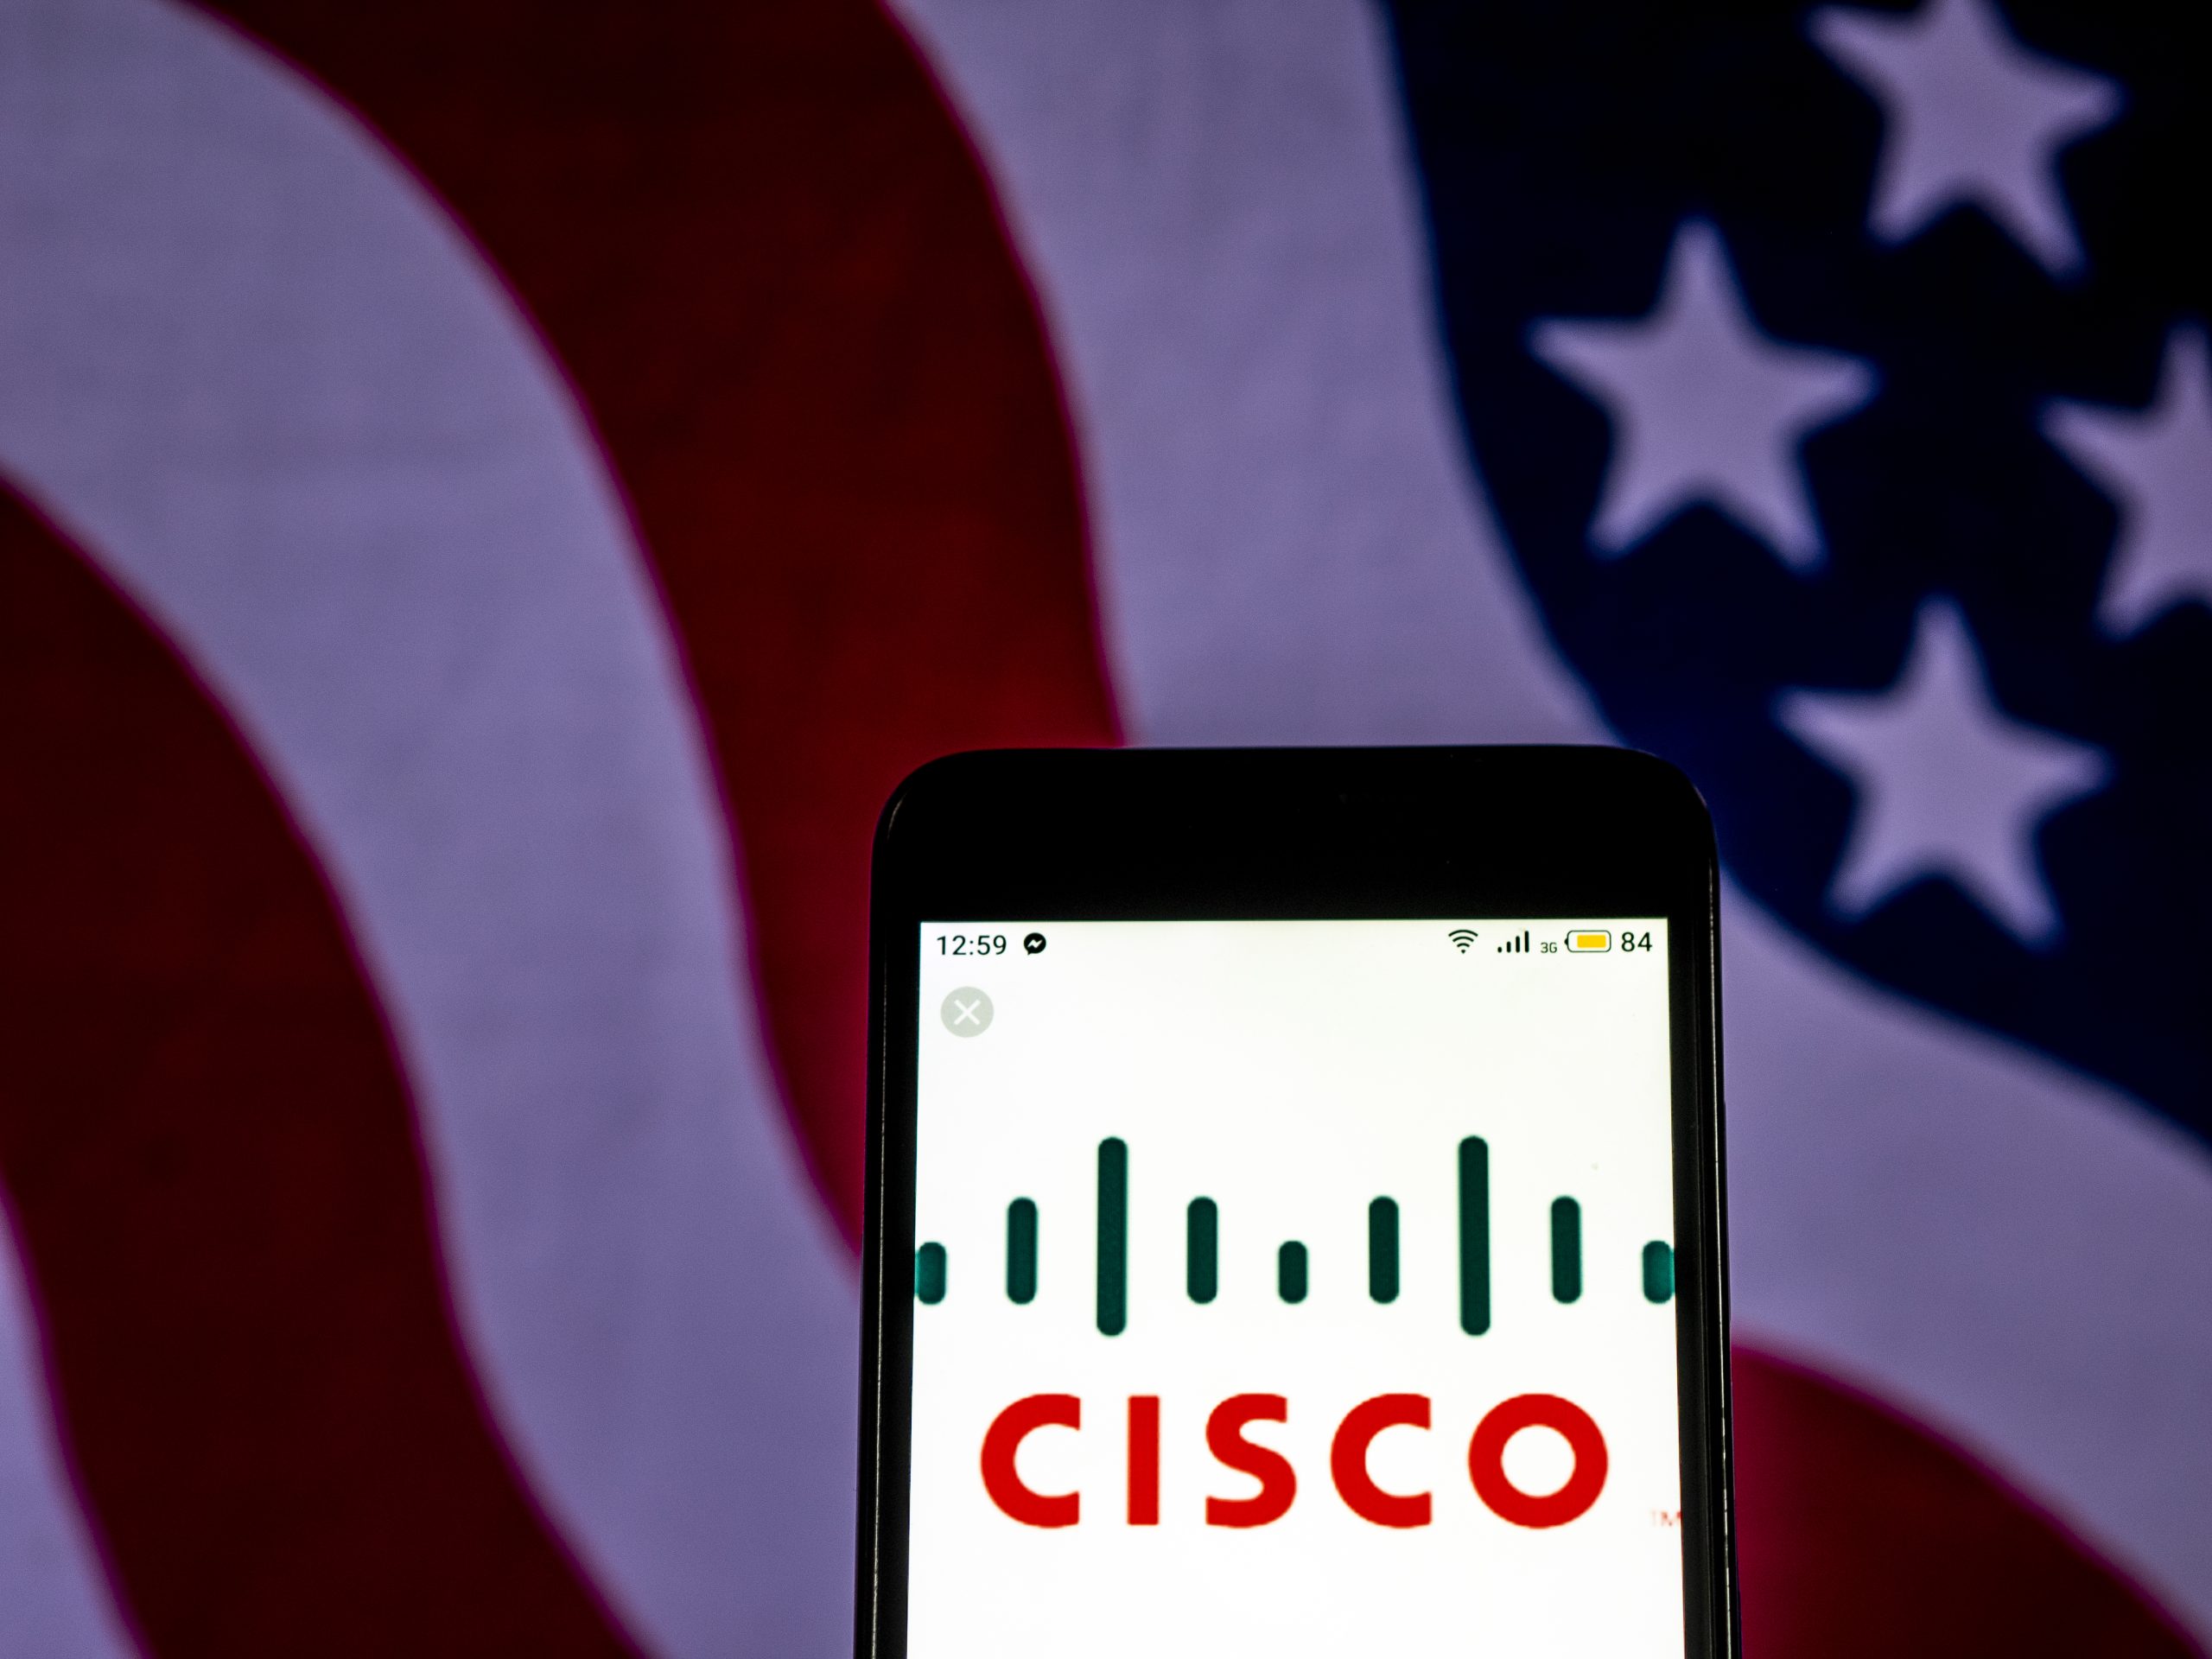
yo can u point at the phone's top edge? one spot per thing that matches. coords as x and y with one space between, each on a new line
1345 759
1290 832
1309 767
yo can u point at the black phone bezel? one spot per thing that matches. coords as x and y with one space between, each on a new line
1173 834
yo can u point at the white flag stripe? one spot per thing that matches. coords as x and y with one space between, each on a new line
1212 203
1215 206
54 1599
262 379
2008 1250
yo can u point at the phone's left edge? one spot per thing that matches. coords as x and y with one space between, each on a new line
887 1241
878 1597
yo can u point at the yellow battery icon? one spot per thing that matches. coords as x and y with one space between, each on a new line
1589 939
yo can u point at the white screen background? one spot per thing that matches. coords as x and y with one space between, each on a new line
1292 1071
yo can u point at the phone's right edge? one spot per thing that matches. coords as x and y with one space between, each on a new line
1712 1624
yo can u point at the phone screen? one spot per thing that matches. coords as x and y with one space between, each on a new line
1296 1287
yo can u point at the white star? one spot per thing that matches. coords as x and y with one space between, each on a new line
1705 407
1973 116
1948 784
2157 465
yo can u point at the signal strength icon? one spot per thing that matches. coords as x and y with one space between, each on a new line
1463 937
1517 945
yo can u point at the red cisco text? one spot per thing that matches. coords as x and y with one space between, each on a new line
1278 1481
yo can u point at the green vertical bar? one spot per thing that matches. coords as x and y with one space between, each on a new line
1022 1251
1474 1235
1566 1250
929 1274
1290 1271
1112 1235
1658 1271
1202 1233
1382 1249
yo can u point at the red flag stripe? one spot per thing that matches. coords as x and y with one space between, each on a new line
206 1137
760 246
1861 1532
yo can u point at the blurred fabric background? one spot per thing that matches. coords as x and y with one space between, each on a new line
495 495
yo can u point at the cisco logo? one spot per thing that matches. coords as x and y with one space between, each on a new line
1226 1443
1278 1479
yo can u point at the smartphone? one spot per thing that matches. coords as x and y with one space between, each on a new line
1295 1215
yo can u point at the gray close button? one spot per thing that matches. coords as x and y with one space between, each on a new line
967 1012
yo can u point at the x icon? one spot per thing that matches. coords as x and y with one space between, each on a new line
967 1012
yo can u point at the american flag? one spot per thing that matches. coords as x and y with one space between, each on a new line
493 497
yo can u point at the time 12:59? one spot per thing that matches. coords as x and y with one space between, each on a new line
971 945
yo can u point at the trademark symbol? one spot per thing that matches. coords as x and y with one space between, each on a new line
1666 1517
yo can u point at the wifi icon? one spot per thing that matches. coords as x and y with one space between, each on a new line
1463 937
